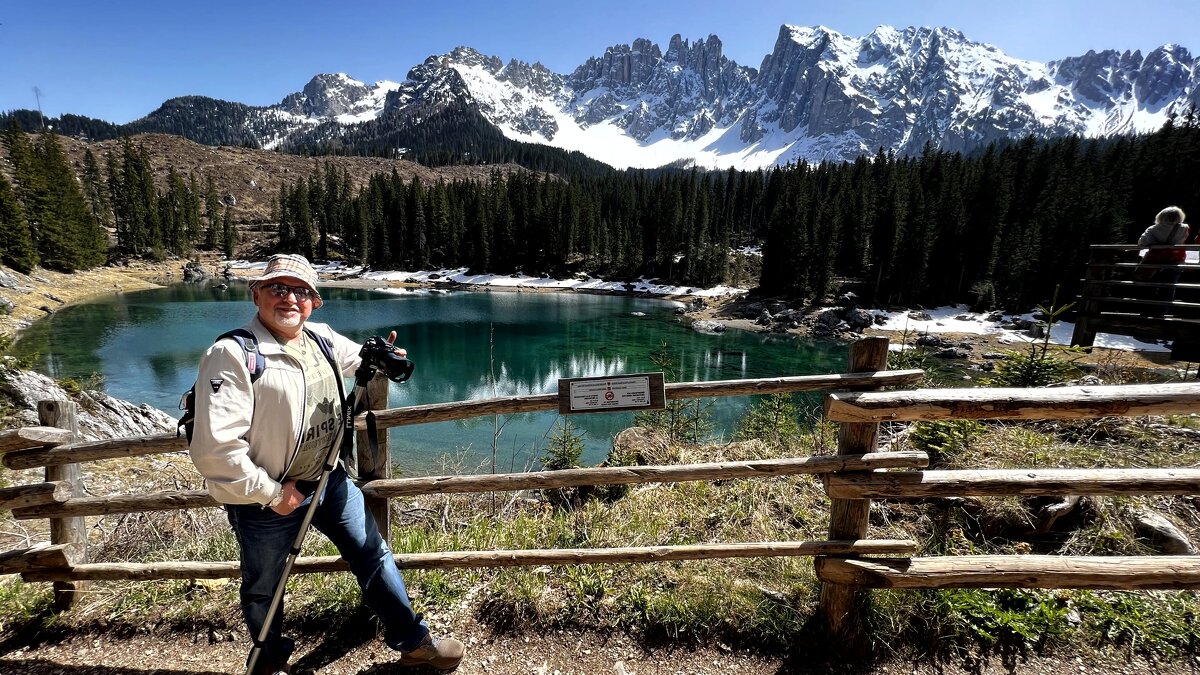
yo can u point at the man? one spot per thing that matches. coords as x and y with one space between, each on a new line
260 446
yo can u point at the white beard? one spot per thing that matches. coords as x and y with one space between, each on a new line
290 320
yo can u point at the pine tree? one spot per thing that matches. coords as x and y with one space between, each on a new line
71 238
229 235
16 247
212 215
28 182
94 188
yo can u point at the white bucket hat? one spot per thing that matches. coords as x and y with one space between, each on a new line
294 266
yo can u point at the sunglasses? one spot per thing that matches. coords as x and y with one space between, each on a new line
282 290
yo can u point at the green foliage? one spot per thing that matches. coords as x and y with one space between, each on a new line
774 419
564 448
16 245
1163 624
944 440
1009 617
1039 365
683 420
23 604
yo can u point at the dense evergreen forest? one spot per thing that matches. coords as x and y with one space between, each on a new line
1001 227
53 217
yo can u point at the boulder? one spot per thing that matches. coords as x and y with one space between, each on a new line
100 416
858 318
705 326
1162 533
952 353
928 340
195 272
7 280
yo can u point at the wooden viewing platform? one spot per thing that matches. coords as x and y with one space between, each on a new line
1122 296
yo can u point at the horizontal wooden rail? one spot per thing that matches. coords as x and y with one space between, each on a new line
456 410
35 494
1128 283
31 437
1011 403
1006 482
36 557
73 453
1016 571
506 558
396 487
1138 247
103 506
618 475
35 455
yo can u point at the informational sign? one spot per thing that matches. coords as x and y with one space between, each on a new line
642 391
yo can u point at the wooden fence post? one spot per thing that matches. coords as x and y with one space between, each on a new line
848 517
372 467
70 531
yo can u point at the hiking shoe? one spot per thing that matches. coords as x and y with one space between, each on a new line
441 653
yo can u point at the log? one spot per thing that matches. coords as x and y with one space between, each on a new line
848 518
622 475
1017 571
68 531
1009 482
441 412
1061 403
93 450
36 557
103 506
190 499
31 437
22 496
504 558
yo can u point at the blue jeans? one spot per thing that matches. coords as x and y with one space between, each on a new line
265 538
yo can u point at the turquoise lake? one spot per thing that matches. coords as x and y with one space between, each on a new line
466 345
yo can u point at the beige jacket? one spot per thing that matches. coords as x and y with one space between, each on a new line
245 439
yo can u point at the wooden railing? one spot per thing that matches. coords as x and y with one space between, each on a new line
852 478
1121 295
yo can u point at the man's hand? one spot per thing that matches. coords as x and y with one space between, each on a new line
291 499
401 351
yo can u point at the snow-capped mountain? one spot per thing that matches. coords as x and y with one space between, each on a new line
817 96
338 96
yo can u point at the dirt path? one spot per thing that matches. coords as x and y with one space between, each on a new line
349 651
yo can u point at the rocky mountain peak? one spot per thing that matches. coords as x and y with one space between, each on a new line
326 95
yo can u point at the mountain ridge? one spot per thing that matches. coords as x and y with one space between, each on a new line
817 95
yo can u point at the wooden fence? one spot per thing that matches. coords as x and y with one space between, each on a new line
853 477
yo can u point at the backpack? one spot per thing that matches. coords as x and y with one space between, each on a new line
255 365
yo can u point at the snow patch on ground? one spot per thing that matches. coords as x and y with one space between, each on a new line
581 282
952 319
956 319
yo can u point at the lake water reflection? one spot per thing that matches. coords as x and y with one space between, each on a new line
466 345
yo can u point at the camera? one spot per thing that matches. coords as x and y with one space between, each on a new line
377 355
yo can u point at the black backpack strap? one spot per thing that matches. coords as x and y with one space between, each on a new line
255 363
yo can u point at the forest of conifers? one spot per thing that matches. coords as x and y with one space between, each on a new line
1001 227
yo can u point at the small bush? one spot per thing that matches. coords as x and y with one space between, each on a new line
773 419
944 440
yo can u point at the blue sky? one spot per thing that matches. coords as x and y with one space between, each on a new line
119 60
